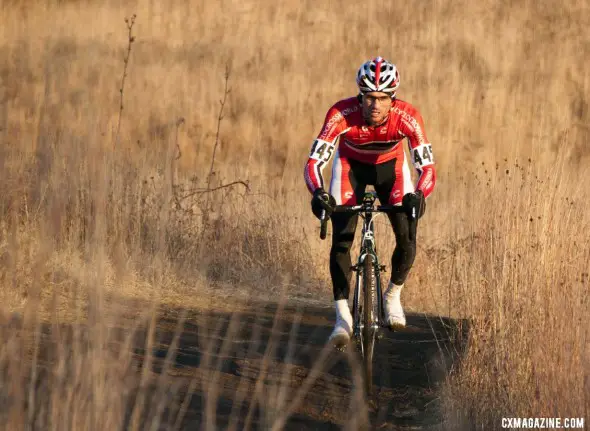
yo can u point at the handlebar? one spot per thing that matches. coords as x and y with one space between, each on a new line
364 209
355 209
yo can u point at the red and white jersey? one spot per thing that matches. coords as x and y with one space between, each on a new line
372 145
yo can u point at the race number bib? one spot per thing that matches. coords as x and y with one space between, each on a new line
422 156
321 150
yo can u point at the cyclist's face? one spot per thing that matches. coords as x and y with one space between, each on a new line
376 106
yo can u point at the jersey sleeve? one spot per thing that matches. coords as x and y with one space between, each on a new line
421 153
323 149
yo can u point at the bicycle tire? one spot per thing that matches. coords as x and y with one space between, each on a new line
368 331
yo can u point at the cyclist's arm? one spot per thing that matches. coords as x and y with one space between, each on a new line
323 149
420 151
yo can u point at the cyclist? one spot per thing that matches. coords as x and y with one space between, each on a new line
371 127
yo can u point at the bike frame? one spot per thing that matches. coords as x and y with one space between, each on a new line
366 210
368 249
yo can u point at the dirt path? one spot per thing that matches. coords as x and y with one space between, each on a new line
253 369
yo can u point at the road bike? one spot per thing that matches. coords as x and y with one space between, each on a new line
368 311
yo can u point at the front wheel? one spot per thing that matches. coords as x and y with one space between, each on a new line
369 320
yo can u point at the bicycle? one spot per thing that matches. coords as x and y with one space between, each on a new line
368 315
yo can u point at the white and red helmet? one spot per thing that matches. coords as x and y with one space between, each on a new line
378 75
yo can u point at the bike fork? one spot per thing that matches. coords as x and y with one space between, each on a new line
379 294
356 302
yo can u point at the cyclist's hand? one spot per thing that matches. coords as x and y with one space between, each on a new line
322 200
415 204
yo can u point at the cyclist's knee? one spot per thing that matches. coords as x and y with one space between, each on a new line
342 242
340 247
404 238
407 245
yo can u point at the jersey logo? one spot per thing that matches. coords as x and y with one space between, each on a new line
411 123
330 124
364 132
427 181
321 150
422 156
383 131
348 111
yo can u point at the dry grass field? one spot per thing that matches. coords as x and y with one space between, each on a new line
131 197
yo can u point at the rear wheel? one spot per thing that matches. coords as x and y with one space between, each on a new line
369 317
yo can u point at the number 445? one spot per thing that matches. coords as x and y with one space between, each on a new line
423 155
321 150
